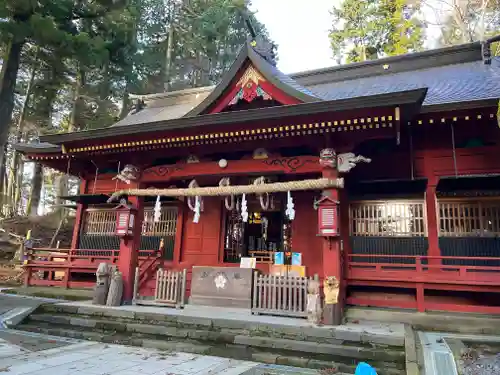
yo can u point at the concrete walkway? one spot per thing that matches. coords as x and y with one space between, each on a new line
101 359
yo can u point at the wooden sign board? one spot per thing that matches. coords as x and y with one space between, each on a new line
248 263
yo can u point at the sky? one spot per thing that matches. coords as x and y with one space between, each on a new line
300 29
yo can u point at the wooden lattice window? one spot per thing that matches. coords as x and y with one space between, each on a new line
166 226
388 218
463 218
98 221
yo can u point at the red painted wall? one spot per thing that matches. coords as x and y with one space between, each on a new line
105 185
304 231
201 241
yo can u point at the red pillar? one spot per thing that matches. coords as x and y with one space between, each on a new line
432 218
129 248
80 210
332 258
431 208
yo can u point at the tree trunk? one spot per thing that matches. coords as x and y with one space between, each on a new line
19 186
3 178
16 170
10 68
36 190
125 104
62 190
168 58
104 91
76 102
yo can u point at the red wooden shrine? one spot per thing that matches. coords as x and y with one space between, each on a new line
415 138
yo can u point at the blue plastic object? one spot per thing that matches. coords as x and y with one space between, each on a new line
365 369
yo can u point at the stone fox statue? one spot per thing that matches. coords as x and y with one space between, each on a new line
313 302
331 288
102 284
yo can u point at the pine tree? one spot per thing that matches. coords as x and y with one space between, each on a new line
366 30
54 23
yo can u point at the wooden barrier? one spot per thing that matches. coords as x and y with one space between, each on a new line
280 295
170 289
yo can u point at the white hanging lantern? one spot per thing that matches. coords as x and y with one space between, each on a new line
244 209
197 209
193 184
157 210
290 210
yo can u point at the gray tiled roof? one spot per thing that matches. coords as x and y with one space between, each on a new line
282 77
446 84
287 80
40 147
166 106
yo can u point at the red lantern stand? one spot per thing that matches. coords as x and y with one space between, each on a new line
128 228
329 229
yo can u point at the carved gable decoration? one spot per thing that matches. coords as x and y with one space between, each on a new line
249 87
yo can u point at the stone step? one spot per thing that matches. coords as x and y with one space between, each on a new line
226 337
235 351
282 370
368 334
464 323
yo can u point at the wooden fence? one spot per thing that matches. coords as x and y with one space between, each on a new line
170 289
280 295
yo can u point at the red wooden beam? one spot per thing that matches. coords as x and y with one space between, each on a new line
272 165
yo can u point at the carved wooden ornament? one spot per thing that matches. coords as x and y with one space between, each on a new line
128 173
328 158
349 160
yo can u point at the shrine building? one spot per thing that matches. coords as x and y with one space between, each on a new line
384 174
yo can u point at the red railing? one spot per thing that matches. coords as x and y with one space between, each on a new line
423 273
423 269
53 267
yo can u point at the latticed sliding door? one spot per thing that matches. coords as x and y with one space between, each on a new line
98 236
469 227
391 227
164 230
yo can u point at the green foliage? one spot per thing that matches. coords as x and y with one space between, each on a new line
95 52
365 30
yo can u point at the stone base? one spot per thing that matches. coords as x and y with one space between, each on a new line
222 287
332 315
220 302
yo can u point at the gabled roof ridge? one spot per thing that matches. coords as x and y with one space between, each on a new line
393 64
271 73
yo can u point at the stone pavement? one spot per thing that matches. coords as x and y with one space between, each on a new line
102 359
14 308
8 302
